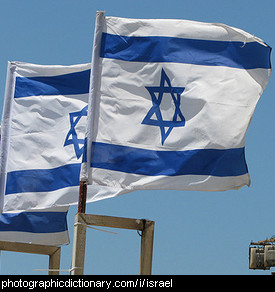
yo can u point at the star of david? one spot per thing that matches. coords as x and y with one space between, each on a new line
71 137
157 92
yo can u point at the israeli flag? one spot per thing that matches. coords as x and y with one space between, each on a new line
46 227
40 147
171 101
42 142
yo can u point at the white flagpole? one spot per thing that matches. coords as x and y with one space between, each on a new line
80 229
5 128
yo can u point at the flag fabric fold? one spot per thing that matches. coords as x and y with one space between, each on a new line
46 227
37 168
170 104
43 133
42 141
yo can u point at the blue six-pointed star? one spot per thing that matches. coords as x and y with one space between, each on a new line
72 137
156 93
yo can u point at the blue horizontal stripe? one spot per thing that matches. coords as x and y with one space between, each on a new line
43 180
214 162
35 222
67 84
190 51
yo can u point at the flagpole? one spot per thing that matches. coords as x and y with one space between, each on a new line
80 227
79 240
82 197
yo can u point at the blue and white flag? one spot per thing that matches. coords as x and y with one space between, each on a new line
41 111
42 140
46 227
171 101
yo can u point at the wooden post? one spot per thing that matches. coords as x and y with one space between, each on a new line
79 240
79 243
54 262
52 251
83 220
146 250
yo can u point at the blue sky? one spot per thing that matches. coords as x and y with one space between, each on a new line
195 232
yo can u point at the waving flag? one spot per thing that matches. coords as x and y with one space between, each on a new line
171 101
42 141
35 153
46 227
